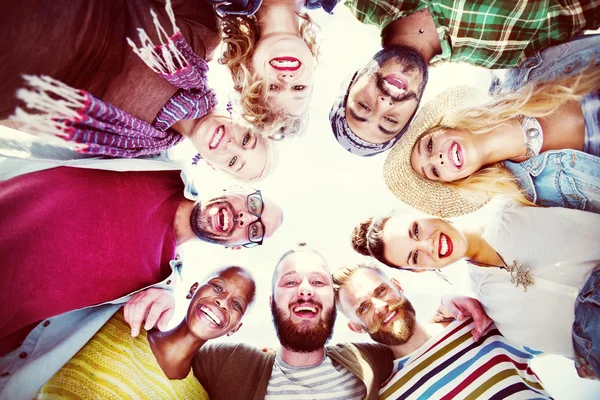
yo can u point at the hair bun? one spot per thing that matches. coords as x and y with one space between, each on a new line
359 237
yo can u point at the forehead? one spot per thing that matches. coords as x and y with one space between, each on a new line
303 263
361 285
238 282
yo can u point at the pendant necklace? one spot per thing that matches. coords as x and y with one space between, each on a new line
518 275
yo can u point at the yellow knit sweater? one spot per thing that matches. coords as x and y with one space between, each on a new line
114 365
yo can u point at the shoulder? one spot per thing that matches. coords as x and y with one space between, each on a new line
370 352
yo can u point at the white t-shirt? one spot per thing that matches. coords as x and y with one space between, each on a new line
560 247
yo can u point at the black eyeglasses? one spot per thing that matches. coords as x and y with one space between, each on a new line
256 230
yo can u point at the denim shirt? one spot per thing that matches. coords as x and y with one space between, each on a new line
563 60
56 340
560 178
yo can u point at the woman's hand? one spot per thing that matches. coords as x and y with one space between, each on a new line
154 306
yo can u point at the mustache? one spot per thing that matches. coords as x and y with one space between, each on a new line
382 88
302 302
394 307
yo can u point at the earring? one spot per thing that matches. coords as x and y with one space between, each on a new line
229 108
190 294
441 275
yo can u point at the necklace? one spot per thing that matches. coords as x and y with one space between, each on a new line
518 275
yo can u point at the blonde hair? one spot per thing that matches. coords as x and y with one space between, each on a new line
240 35
534 100
341 276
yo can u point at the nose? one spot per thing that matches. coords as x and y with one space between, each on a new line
245 218
437 158
385 102
305 289
222 304
426 245
379 305
286 76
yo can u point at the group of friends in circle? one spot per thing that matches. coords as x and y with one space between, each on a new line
93 208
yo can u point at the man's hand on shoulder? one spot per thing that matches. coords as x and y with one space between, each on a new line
154 306
460 307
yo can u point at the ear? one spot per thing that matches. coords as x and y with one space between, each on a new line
396 284
234 330
354 327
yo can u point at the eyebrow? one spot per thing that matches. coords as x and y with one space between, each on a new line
382 129
356 117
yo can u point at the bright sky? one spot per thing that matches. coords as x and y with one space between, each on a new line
325 191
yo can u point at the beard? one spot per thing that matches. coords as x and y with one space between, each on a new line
401 329
201 222
298 338
409 60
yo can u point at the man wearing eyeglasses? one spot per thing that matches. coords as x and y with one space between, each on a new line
72 240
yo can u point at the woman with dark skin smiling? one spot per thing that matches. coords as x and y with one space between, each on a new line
113 363
544 262
540 145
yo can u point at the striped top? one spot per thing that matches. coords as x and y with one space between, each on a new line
115 365
491 34
326 380
451 365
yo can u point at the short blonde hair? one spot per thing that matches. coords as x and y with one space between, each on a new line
342 275
240 35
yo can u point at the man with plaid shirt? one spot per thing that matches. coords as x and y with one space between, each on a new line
381 99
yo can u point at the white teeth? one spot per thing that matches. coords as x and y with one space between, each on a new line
305 308
217 138
284 64
393 90
225 220
444 248
389 317
455 155
211 315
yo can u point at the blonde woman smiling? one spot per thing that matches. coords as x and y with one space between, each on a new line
539 145
271 56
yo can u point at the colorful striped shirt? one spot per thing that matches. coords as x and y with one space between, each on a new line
115 365
489 33
327 380
451 365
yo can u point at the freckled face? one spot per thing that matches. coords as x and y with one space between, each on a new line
421 244
446 155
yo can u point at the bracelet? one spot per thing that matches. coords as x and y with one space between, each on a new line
533 134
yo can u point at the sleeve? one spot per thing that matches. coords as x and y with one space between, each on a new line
376 12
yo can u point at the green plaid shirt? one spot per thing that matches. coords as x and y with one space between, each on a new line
489 33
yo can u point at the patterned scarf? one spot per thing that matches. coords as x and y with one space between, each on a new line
99 127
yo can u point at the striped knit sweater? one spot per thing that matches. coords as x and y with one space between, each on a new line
115 365
451 365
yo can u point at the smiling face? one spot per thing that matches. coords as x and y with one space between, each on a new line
230 220
386 94
376 305
230 147
421 244
302 302
218 305
287 64
446 155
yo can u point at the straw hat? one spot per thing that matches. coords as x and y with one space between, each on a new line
434 198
